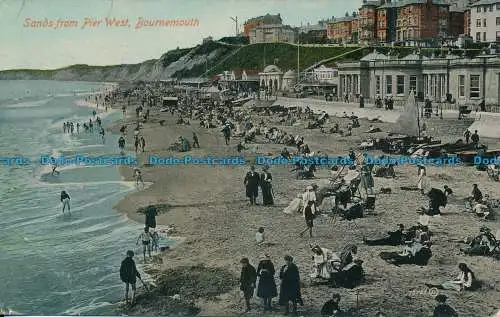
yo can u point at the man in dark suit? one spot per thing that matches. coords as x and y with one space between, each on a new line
252 182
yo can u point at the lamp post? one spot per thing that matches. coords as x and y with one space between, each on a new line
235 19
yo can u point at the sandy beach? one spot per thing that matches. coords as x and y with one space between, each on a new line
209 208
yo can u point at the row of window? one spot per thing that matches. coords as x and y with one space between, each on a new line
487 8
478 36
400 84
483 24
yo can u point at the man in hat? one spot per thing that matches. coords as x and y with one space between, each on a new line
128 275
331 307
227 133
252 182
442 309
247 281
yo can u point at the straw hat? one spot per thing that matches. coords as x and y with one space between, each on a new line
309 187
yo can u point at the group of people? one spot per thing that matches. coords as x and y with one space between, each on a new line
254 180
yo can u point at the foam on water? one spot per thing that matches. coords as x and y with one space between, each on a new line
77 255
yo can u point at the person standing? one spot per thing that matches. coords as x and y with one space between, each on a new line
361 101
422 174
196 143
467 135
247 281
475 138
136 144
309 217
129 275
121 144
251 182
227 133
146 238
143 143
290 286
267 286
138 178
307 196
267 187
65 201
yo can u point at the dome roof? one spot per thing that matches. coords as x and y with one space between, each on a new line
272 69
290 74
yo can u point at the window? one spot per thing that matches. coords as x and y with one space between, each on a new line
413 84
388 83
498 20
484 8
478 23
478 37
474 86
484 22
478 9
498 36
491 8
400 84
498 6
426 85
484 36
461 85
377 85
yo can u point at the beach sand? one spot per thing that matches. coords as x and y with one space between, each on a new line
209 208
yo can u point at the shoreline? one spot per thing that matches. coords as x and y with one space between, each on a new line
208 207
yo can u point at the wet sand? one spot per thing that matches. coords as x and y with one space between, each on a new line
209 208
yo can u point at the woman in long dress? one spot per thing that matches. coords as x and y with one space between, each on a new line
323 259
309 195
267 187
267 286
421 177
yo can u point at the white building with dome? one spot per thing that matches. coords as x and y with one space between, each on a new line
271 78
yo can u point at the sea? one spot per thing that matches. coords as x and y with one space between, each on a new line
53 263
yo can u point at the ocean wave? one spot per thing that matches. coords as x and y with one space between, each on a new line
28 104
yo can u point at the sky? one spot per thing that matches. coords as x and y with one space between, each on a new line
25 46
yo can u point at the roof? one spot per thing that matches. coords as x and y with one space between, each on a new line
415 56
484 2
324 68
290 74
308 28
268 18
404 3
370 4
374 56
271 69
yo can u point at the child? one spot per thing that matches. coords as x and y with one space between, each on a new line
155 239
259 236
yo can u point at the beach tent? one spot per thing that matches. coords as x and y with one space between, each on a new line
170 101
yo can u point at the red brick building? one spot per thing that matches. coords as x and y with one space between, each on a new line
368 21
421 20
267 19
467 22
340 30
386 22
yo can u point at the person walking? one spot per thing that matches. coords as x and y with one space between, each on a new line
129 275
467 135
65 201
247 281
309 217
267 286
475 138
290 286
196 144
143 143
146 238
251 182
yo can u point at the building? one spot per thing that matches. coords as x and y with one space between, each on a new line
324 74
456 22
241 79
271 78
368 21
252 23
485 21
386 22
313 34
273 33
340 30
208 39
421 21
289 80
467 23
463 80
